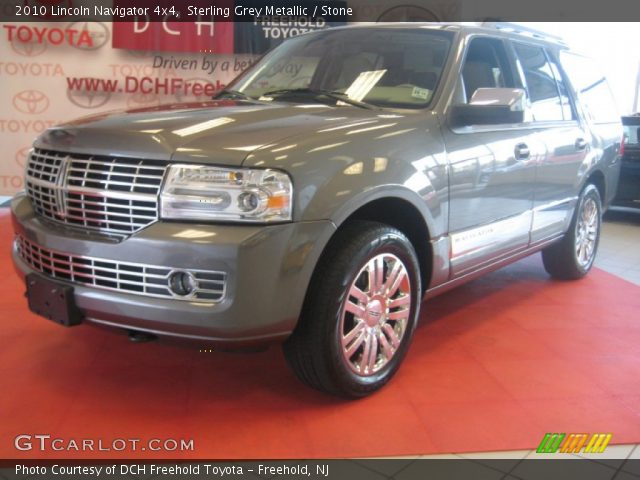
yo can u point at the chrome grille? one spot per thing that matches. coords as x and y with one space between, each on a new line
107 194
134 278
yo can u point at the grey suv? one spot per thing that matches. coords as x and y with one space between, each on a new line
344 177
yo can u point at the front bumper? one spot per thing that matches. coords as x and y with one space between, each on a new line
268 269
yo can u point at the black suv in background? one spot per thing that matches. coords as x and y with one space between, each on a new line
629 185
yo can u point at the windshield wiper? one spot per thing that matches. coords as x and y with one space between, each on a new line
332 94
234 94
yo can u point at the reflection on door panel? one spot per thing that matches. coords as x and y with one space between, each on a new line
557 181
491 197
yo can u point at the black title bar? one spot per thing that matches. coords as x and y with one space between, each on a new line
329 11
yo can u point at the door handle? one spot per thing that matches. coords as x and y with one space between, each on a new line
522 151
581 144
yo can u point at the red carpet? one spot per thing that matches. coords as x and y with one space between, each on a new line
494 365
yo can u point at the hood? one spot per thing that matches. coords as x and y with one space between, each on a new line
219 132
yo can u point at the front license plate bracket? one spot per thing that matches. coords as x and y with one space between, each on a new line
52 300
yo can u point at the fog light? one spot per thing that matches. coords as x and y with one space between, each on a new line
182 283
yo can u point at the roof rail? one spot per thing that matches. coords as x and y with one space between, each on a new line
523 30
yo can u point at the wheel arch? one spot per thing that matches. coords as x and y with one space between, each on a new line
598 179
400 213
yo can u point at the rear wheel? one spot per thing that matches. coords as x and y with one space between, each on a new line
360 312
573 256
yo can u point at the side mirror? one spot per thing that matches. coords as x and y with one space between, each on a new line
490 106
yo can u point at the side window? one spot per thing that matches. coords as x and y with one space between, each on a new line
592 88
546 104
486 65
567 110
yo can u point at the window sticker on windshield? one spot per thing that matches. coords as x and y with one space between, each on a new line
422 93
363 84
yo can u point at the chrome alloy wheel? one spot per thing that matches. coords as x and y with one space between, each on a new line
587 228
374 317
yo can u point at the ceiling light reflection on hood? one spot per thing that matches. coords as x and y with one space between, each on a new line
202 126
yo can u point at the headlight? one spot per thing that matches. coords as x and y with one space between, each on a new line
211 193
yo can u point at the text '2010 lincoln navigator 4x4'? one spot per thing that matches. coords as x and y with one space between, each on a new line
318 199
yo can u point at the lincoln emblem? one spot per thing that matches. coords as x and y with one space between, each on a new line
61 182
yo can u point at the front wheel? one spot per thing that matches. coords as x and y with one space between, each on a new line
573 256
360 312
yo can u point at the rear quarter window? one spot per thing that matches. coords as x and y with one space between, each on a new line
591 87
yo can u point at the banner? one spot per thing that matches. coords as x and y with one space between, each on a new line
165 28
267 30
204 36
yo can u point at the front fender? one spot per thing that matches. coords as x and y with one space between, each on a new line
336 172
432 212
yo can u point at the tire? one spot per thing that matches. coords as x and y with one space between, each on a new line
333 314
573 256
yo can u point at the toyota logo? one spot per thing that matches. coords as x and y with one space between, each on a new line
86 99
98 32
28 49
31 102
21 157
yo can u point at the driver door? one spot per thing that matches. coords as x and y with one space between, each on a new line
492 169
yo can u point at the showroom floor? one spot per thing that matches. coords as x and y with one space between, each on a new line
619 254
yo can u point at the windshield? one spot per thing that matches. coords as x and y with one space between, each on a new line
383 67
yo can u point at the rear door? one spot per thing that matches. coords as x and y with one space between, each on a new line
492 168
567 142
600 114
